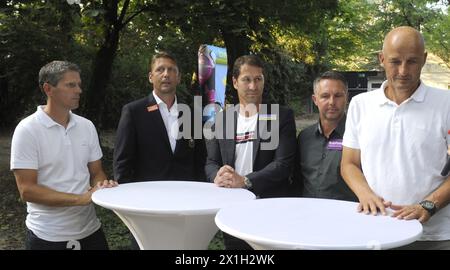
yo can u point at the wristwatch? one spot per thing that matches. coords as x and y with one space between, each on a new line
429 206
248 184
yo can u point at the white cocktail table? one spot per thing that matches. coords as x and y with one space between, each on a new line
305 223
170 214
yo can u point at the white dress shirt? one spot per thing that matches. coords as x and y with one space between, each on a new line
170 119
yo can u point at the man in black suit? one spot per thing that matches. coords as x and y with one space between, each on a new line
148 146
254 144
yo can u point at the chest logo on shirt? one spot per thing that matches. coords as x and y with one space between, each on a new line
335 144
245 137
268 117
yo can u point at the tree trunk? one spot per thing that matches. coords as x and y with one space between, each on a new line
102 64
101 74
236 45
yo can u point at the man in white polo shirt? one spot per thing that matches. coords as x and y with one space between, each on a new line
395 143
55 157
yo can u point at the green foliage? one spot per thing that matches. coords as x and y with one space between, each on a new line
351 37
301 106
130 82
286 78
298 39
244 27
437 35
217 242
424 15
29 38
355 35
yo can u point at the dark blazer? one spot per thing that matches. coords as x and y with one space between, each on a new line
271 168
142 149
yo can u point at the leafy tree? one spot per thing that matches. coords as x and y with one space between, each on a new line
356 33
113 17
424 15
113 40
241 24
32 34
436 32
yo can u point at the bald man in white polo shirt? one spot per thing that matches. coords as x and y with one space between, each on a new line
55 157
395 143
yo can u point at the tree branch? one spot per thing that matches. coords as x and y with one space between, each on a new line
134 15
122 13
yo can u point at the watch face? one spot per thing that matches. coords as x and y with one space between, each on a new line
428 204
247 183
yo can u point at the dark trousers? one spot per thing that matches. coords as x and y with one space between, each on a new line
233 243
427 245
95 241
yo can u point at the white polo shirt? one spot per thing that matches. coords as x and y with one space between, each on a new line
60 156
403 147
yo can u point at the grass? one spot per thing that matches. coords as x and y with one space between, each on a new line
12 213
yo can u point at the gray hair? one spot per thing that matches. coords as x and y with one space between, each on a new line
330 75
53 72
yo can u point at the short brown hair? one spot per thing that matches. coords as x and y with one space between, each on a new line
251 60
161 54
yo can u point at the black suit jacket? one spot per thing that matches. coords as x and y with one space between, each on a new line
271 168
142 149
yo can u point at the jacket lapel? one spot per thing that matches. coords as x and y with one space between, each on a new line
228 145
262 129
256 141
232 142
182 143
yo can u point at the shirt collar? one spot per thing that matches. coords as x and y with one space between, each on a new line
173 110
48 122
381 98
417 96
319 128
339 129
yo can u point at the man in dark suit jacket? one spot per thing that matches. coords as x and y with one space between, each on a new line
253 145
145 149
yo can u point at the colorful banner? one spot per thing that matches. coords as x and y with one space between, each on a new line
212 77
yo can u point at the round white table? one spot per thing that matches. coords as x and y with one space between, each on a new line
170 214
306 223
